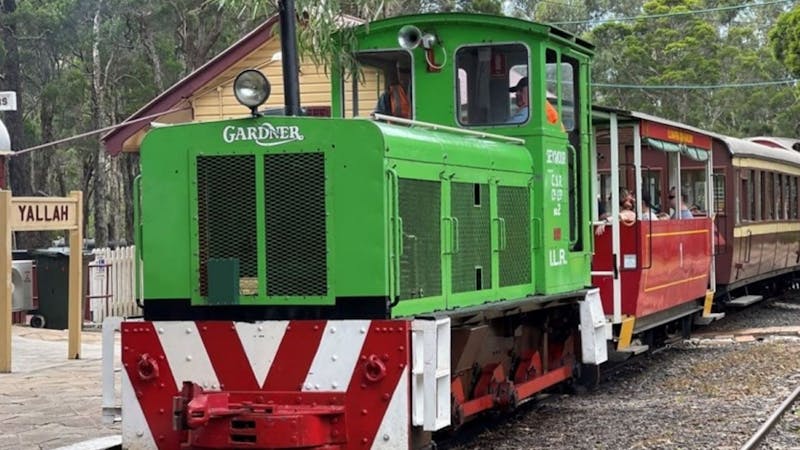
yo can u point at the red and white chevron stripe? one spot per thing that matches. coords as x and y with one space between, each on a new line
324 384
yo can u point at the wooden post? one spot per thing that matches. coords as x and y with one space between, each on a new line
75 314
5 281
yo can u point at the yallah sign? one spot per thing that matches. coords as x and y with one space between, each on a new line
50 213
37 214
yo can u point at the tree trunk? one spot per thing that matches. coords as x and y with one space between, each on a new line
152 53
19 166
43 170
100 197
198 31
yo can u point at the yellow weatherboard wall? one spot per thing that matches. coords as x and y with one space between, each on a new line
216 101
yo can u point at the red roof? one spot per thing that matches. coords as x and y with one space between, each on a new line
190 84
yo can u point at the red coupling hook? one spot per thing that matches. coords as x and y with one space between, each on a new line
375 369
147 367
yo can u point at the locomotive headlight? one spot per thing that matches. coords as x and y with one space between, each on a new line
251 89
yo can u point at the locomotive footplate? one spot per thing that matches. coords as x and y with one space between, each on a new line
259 420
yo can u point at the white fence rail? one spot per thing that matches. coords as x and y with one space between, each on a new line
112 283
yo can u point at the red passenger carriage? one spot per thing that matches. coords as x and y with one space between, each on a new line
652 271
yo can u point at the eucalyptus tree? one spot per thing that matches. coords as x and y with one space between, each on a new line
785 40
696 54
785 44
11 80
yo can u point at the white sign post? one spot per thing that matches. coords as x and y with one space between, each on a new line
5 140
8 101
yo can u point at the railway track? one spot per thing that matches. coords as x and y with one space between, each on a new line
771 422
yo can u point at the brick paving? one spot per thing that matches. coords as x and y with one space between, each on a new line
49 401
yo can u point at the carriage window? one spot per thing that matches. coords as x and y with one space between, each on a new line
651 182
779 196
785 194
719 192
758 189
747 196
767 202
491 85
693 184
787 197
603 200
383 85
794 201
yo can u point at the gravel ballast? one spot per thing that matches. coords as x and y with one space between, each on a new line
712 391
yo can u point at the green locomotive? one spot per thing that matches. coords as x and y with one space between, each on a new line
450 227
396 219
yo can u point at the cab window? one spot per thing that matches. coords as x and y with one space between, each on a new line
561 87
383 84
489 85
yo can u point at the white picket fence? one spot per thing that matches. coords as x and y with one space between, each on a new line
112 283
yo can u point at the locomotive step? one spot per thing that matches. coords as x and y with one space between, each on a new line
747 300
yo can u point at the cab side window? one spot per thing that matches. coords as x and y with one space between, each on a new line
382 85
562 91
491 85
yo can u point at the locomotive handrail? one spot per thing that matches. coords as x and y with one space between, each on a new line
397 241
456 236
138 241
436 126
503 234
650 227
448 250
649 245
573 238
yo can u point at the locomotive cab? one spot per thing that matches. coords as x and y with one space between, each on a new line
523 81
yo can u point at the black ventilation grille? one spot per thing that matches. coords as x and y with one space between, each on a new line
472 255
294 198
226 200
513 205
421 263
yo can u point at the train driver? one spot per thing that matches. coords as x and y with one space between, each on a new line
396 100
522 99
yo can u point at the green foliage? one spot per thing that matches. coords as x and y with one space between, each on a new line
144 47
723 48
785 40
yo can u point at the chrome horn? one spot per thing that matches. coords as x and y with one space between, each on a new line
409 37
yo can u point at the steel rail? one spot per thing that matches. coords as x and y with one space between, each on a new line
767 426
